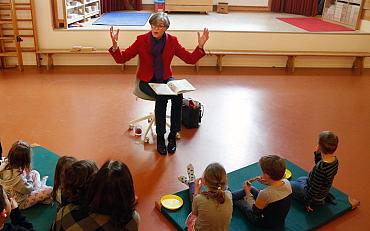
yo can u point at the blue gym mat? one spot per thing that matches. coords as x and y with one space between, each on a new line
40 215
297 220
123 19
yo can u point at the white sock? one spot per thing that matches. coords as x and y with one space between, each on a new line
184 180
190 170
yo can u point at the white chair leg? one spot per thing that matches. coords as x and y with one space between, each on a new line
151 119
148 129
132 122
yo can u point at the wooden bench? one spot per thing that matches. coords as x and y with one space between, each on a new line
357 66
50 52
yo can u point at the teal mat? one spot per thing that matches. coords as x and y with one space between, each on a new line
298 219
42 216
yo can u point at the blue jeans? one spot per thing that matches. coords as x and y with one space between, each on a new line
299 188
191 190
240 203
161 108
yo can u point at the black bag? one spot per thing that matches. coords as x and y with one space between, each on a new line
192 113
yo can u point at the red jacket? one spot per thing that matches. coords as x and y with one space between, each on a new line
141 46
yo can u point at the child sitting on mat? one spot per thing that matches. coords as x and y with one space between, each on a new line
9 207
267 207
74 193
112 199
109 205
63 163
20 181
212 209
314 189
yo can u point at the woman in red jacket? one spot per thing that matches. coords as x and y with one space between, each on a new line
156 50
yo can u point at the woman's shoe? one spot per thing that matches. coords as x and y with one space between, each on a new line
171 147
161 145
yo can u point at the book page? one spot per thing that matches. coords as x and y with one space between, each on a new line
161 89
180 86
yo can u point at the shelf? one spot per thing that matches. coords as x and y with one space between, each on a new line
91 1
75 19
92 13
82 9
73 7
343 12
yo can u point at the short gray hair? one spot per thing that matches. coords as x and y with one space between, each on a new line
158 18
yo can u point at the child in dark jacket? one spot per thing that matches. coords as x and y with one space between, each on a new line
268 207
8 206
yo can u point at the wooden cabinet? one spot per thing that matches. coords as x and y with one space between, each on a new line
189 5
80 10
345 12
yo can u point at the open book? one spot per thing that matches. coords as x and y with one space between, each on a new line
173 87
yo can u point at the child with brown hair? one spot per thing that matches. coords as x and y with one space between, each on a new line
74 187
110 203
74 192
20 181
313 189
211 209
267 207
63 163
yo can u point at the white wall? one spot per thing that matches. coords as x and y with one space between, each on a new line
52 39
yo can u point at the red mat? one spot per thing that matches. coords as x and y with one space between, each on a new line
314 24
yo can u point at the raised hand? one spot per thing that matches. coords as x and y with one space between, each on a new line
114 36
257 178
198 185
203 39
247 186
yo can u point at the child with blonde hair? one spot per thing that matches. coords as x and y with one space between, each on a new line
20 181
211 209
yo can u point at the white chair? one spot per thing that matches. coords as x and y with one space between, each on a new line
150 117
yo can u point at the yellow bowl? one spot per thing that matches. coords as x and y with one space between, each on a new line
171 201
288 174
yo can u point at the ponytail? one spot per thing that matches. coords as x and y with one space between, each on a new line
216 194
220 195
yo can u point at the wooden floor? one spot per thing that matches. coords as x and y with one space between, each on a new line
84 112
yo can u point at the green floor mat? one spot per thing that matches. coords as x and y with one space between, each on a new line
42 216
298 219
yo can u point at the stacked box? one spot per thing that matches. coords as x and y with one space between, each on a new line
348 14
356 1
356 12
338 11
330 12
344 13
223 8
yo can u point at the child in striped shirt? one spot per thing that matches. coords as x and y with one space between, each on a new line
313 189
